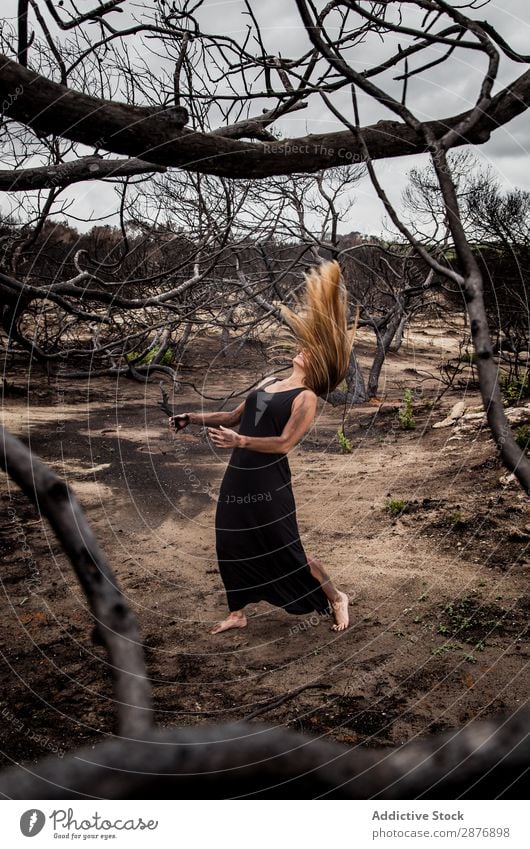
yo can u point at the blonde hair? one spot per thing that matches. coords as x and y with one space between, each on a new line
320 326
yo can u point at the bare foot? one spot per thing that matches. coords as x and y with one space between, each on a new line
340 612
236 619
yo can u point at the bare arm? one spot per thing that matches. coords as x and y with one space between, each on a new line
302 414
182 420
229 418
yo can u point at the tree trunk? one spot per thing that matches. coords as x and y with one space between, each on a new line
398 339
355 387
383 344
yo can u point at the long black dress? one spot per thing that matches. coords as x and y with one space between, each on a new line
260 555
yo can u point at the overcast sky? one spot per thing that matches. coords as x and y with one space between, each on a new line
447 89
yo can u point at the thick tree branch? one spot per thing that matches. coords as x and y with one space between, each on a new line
481 761
159 135
66 173
116 625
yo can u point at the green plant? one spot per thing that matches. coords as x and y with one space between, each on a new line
514 389
406 412
467 619
457 520
446 647
522 437
468 357
395 506
165 361
469 657
344 442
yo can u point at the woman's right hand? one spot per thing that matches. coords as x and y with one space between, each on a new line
179 422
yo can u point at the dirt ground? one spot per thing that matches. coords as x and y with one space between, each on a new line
439 594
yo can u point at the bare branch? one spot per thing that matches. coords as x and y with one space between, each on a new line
116 625
482 760
159 136
66 173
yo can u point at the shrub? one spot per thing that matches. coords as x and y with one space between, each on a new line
446 647
406 413
457 520
395 506
522 437
514 389
468 357
165 361
344 442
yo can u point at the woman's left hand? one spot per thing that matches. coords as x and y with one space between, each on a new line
223 437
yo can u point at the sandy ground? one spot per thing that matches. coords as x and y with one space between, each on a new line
439 595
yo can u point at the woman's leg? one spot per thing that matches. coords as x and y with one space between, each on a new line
339 600
235 619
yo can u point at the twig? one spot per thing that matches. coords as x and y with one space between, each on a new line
279 700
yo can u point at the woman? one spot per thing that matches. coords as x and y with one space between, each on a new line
260 555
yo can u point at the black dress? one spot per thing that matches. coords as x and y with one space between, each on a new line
260 555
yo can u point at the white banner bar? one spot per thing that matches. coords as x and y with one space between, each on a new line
352 824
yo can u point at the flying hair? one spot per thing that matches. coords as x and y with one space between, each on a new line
320 326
